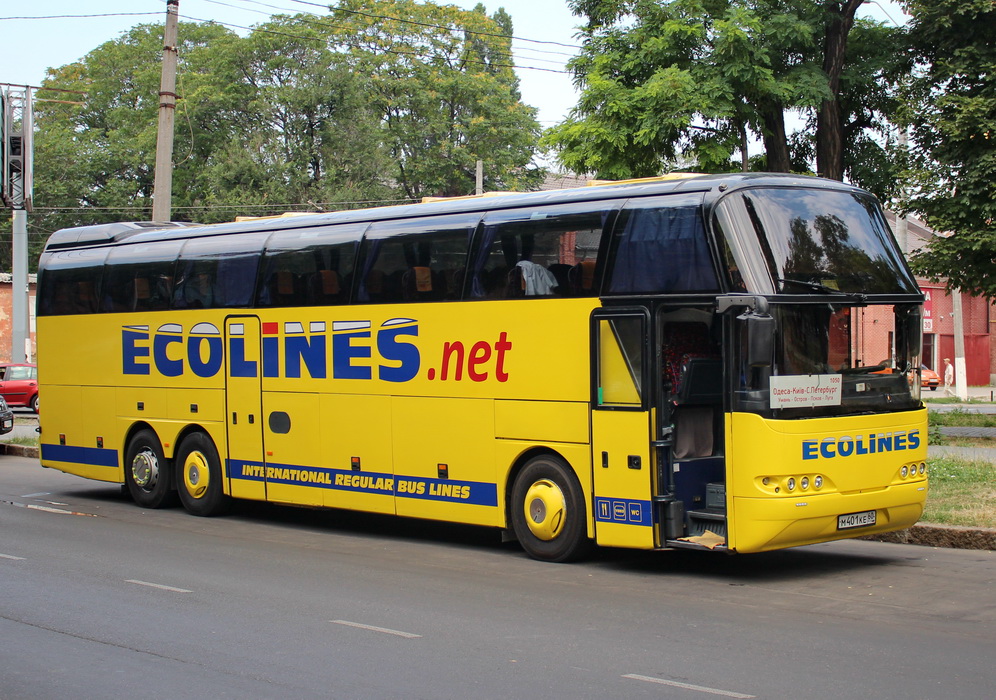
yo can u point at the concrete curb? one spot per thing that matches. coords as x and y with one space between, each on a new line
927 535
949 536
7 448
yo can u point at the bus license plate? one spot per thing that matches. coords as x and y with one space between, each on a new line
863 519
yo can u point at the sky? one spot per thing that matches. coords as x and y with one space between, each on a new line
29 46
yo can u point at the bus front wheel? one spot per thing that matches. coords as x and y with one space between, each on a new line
548 513
148 475
198 476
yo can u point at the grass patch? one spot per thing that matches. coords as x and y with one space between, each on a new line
962 492
21 440
962 419
929 400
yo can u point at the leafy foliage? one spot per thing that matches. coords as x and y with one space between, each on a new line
696 78
952 113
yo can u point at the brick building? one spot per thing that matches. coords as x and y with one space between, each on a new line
939 324
6 311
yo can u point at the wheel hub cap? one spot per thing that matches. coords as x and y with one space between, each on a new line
145 469
195 474
546 509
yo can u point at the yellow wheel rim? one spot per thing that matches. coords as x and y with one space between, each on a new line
546 509
196 474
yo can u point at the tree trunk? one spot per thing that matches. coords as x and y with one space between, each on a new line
829 120
775 140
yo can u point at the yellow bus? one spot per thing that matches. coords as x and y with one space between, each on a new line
683 363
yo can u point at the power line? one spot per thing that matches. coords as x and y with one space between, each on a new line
356 45
106 14
323 21
423 24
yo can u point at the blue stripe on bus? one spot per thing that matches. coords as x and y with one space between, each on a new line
471 492
92 456
623 511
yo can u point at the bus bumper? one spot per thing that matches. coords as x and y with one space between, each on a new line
763 524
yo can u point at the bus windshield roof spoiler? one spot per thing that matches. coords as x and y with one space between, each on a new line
754 302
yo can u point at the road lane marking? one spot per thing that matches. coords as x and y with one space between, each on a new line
396 633
158 585
688 686
46 509
11 556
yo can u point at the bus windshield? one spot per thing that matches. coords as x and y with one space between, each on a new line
811 241
827 363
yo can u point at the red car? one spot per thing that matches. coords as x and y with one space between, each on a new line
929 378
19 385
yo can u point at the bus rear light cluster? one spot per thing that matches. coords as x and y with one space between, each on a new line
910 471
793 483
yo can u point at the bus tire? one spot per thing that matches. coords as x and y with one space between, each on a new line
148 474
548 512
198 476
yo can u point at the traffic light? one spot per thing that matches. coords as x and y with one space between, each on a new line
16 131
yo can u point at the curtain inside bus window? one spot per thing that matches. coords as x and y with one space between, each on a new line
218 271
661 247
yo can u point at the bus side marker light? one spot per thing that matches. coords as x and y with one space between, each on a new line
354 463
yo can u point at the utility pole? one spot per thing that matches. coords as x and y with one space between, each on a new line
17 125
961 376
479 178
162 188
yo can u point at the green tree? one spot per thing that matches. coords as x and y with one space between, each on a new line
443 81
952 115
100 155
304 128
696 78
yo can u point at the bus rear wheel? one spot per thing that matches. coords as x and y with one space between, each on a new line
548 513
198 476
148 475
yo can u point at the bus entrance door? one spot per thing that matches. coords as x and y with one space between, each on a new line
621 429
243 399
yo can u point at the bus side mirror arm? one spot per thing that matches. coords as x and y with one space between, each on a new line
754 302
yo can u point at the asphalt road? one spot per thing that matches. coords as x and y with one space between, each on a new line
99 598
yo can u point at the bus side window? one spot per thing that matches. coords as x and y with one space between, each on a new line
539 252
659 245
415 260
71 282
309 267
218 271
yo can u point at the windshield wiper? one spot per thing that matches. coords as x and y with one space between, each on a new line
820 287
